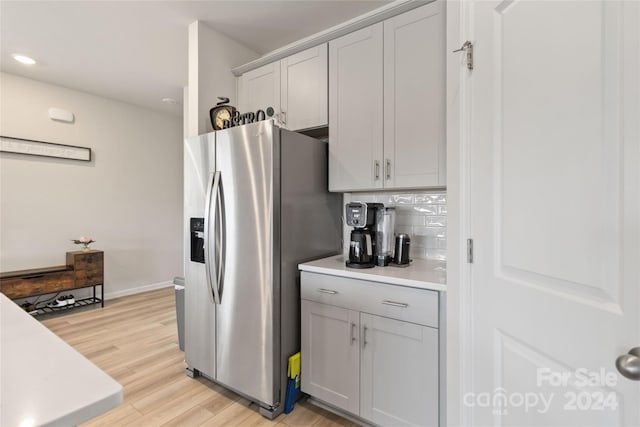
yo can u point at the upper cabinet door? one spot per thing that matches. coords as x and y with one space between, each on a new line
303 89
259 89
414 98
355 110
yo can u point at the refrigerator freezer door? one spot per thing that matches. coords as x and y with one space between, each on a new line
199 165
247 335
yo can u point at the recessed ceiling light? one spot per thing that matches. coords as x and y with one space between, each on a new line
23 59
169 101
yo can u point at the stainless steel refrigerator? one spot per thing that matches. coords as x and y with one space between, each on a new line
256 205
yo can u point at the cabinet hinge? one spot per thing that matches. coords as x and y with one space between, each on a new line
470 251
468 48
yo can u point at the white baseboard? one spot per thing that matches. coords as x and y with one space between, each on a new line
138 290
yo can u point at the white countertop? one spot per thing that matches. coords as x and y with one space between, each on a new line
423 274
43 380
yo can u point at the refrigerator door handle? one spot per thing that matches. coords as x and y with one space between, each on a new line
220 240
212 192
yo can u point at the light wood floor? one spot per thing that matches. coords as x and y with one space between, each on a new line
134 339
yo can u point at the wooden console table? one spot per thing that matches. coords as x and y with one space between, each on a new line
83 270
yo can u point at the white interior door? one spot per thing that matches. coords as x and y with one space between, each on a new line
554 192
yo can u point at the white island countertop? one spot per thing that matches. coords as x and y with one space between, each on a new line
45 381
422 274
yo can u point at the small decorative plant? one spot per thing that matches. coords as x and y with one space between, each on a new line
84 241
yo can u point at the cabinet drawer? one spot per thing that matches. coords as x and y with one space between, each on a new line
85 260
37 284
88 266
397 302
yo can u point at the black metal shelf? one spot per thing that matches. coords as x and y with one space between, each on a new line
84 302
79 303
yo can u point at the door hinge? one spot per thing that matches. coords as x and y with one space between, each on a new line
470 251
468 48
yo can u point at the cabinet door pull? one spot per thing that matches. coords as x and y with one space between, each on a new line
395 304
353 335
327 291
364 337
376 170
388 169
283 117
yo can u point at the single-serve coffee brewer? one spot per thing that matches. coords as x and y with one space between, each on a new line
362 246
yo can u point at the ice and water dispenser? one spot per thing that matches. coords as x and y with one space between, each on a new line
197 239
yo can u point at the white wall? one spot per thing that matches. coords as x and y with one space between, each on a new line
212 55
128 198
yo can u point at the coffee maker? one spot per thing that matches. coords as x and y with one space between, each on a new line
362 246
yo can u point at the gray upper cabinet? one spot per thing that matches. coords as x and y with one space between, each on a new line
303 89
414 98
259 89
387 104
355 110
296 88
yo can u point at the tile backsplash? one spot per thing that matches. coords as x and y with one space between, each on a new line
422 215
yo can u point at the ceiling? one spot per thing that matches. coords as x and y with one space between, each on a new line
136 51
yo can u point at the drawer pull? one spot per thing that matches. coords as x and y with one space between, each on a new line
395 304
327 291
353 335
38 276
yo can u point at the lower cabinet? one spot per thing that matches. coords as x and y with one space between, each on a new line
331 354
398 372
384 370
